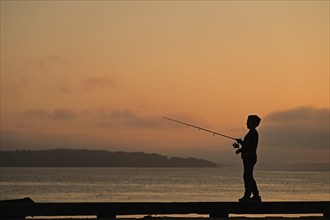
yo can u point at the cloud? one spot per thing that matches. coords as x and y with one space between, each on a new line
300 115
299 132
127 118
109 119
36 114
98 82
85 85
63 114
103 118
57 114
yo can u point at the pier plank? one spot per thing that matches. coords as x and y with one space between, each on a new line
113 209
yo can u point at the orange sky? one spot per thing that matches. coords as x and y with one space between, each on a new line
100 74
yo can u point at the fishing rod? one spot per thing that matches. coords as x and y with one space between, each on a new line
199 128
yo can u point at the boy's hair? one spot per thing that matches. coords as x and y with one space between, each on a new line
255 119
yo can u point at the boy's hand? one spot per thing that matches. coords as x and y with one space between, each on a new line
239 141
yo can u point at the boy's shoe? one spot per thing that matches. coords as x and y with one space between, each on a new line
245 199
256 198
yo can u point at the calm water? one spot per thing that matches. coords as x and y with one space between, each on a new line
157 184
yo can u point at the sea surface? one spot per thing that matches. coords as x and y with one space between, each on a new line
158 184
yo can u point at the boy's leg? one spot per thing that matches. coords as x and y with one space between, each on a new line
255 190
256 197
248 178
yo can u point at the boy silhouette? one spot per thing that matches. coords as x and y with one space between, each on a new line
249 156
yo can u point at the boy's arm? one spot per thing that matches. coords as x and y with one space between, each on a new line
239 141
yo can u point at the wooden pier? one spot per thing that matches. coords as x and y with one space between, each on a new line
26 207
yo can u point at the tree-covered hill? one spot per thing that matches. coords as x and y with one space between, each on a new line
94 158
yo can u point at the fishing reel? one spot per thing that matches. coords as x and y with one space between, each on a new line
235 145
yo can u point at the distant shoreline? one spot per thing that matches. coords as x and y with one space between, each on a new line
94 158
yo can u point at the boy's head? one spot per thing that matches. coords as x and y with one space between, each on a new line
253 121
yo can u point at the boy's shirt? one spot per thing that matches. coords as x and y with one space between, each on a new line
250 144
